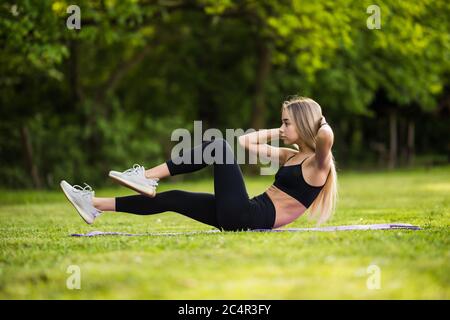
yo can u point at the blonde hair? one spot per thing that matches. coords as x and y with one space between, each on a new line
307 115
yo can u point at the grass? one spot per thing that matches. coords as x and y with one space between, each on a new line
36 251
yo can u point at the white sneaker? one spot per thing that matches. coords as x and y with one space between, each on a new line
135 179
81 199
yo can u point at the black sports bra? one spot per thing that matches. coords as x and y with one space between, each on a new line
290 180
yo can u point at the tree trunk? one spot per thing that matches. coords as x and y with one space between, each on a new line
410 143
258 120
392 140
28 150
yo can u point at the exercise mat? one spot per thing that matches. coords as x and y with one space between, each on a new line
385 226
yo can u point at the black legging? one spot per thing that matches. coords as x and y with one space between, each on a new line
229 208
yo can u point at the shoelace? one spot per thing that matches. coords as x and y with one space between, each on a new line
137 169
87 190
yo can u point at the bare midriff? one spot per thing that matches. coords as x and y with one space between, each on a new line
287 208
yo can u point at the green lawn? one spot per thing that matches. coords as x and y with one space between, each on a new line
36 249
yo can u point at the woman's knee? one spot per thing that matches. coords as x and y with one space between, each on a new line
220 142
221 151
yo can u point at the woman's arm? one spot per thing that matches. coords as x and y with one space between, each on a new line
324 142
259 137
257 143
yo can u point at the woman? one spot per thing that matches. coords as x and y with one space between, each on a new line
307 178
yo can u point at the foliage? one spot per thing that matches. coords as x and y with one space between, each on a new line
109 94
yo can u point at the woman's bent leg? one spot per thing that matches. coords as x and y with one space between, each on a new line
232 200
195 205
233 208
231 197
